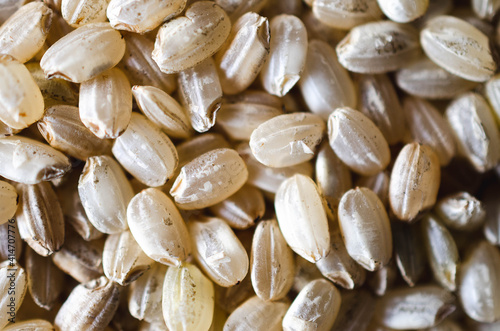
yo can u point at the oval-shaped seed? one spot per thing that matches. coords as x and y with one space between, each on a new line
28 161
81 12
257 314
186 41
209 179
84 53
338 266
144 296
425 79
200 92
9 199
408 252
140 67
106 104
163 110
240 115
282 70
479 283
80 259
24 33
90 306
142 16
41 221
302 217
403 11
414 308
379 102
123 260
414 182
30 325
287 140
332 175
242 209
458 47
10 230
158 227
442 252
45 280
325 84
146 152
378 47
24 107
266 178
241 58
218 251
188 299
13 284
365 228
271 261
105 193
62 128
427 126
475 131
357 141
460 211
345 15
315 307
198 145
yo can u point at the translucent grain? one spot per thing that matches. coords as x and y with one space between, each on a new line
218 251
460 211
123 260
378 47
365 228
414 181
186 41
325 84
105 193
209 179
242 56
9 199
106 104
146 152
163 110
21 102
200 92
158 227
287 140
403 11
281 70
84 53
473 126
302 217
357 141
11 275
458 47
271 261
315 307
188 299
24 33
